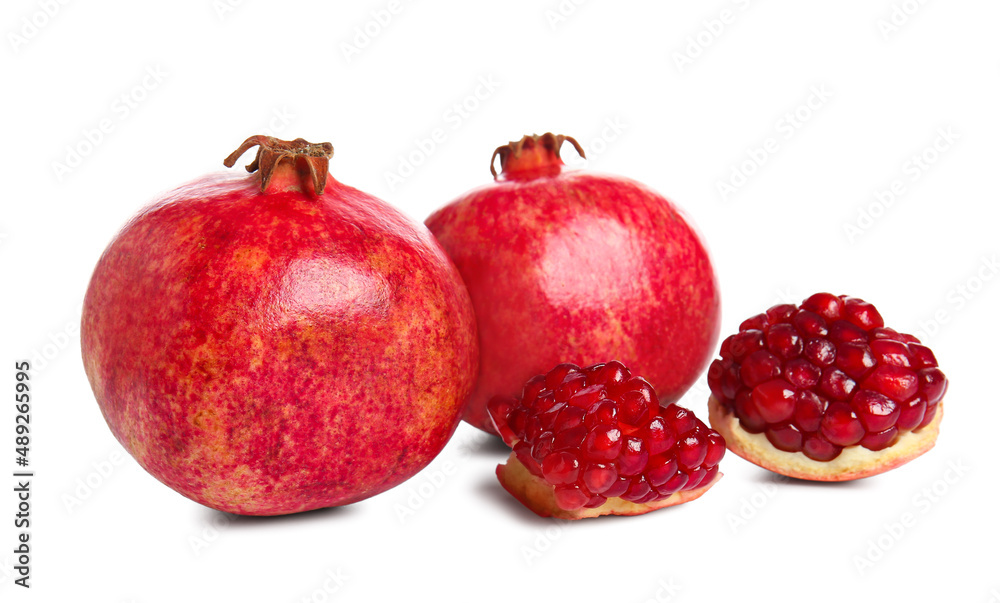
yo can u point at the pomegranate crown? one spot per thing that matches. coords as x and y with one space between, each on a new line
534 154
309 159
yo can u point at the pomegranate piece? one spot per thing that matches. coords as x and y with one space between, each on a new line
825 391
605 266
611 449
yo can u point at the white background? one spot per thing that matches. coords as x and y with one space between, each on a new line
678 95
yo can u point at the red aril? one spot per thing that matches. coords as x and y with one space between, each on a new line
575 266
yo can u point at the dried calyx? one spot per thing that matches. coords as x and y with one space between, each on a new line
311 161
532 155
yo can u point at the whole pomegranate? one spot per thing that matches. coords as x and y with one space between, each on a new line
279 342
577 267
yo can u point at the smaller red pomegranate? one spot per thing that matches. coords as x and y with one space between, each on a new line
573 266
596 441
278 342
824 391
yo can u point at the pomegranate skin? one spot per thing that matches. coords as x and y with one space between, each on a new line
267 354
578 267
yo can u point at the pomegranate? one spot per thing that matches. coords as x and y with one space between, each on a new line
824 391
572 266
279 342
595 441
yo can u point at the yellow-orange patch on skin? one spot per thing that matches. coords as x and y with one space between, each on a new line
854 462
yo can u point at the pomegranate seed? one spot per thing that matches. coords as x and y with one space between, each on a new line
842 331
633 458
922 356
587 396
855 358
744 343
911 413
775 400
659 436
809 410
750 417
543 446
887 333
821 352
675 484
932 383
598 477
555 377
862 314
532 389
784 341
758 322
638 489
888 351
825 304
603 443
571 497
608 437
633 410
569 439
801 373
880 440
816 447
897 382
601 413
876 411
569 387
841 426
785 437
810 324
561 468
660 470
780 313
691 451
836 385
928 416
759 367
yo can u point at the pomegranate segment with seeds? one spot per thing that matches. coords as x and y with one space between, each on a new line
595 441
825 391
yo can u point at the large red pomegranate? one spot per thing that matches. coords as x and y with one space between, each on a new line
573 266
278 342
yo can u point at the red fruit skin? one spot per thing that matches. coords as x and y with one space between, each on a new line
266 354
579 267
